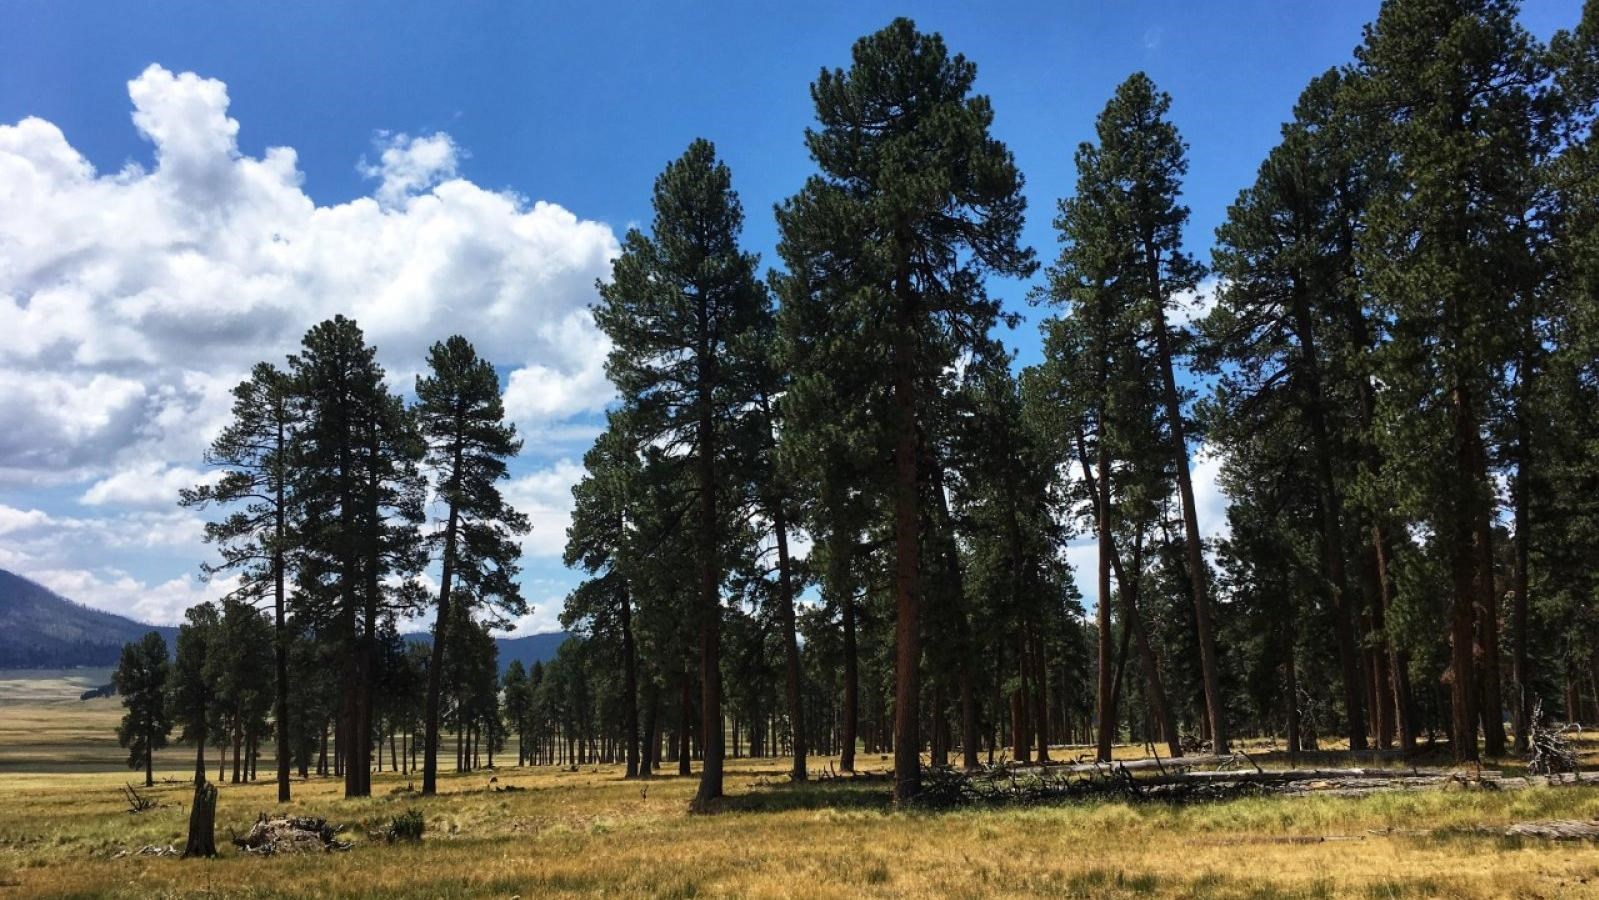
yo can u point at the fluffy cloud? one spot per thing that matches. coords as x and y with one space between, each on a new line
160 603
408 165
131 300
545 497
1193 305
544 615
147 484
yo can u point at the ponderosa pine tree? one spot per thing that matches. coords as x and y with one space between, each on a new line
1003 473
677 310
1077 375
141 680
772 493
1284 272
237 667
907 163
1098 392
1109 372
462 419
1557 505
191 695
1135 174
600 539
359 496
834 413
1451 93
518 698
256 538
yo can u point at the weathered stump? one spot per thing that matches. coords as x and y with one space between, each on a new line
202 822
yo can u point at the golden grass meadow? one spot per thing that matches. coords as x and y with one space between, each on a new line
63 822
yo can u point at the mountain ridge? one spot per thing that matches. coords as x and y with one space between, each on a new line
40 629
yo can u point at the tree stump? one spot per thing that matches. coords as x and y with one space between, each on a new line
202 822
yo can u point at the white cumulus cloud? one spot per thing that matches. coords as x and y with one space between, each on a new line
545 497
132 300
409 165
121 292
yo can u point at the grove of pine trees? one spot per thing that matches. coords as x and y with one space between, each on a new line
828 513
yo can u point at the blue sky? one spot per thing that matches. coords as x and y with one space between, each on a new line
437 110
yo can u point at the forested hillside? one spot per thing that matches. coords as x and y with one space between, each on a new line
40 629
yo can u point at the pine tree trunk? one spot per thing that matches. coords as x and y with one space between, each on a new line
1488 674
851 714
1197 572
1107 710
791 654
683 742
441 625
647 756
199 754
1521 697
280 642
1020 738
710 607
629 686
907 563
1463 569
1040 695
1291 686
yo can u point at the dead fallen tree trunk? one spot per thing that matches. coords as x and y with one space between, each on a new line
1154 763
1558 830
946 787
1289 776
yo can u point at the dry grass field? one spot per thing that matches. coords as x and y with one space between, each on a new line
63 822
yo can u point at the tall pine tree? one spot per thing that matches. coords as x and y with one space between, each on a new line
907 164
462 419
677 310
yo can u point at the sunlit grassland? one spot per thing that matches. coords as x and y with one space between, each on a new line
590 832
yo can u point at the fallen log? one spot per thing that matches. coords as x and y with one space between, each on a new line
1557 830
148 850
1132 765
1287 776
1000 785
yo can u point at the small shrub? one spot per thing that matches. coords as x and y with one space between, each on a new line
407 826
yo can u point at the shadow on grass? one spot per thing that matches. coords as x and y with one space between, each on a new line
810 795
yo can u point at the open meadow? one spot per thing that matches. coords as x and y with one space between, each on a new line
65 831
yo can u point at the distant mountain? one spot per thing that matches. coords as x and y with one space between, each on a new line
530 649
42 629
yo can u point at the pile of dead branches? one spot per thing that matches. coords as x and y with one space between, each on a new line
1167 781
1003 786
291 834
1549 747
